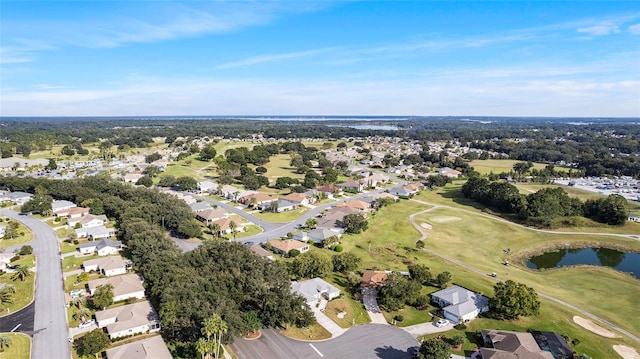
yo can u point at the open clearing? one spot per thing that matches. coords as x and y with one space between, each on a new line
593 327
626 352
499 166
445 219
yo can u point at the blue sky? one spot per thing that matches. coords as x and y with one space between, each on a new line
516 58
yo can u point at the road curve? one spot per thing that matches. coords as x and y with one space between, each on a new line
50 320
476 270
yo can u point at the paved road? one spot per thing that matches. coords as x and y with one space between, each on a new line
50 321
21 321
362 342
546 296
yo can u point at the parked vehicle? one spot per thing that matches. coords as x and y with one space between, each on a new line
88 323
441 323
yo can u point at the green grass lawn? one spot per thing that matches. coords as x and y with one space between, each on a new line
313 332
278 166
65 232
73 262
282 217
20 347
412 316
177 170
24 235
249 230
68 247
61 221
354 309
499 166
24 289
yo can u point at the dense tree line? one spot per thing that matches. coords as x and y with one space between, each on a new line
545 206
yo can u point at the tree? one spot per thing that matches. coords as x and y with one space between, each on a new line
152 157
11 231
5 342
310 265
355 223
144 181
103 296
40 203
81 314
252 321
215 229
443 279
457 339
6 294
311 223
420 273
208 152
92 343
345 262
233 227
216 327
512 300
83 277
151 171
167 181
21 272
25 250
186 183
397 291
202 347
52 165
434 349
190 228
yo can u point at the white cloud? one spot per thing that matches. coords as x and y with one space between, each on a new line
273 57
634 29
605 28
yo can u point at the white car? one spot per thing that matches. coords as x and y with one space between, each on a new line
87 323
441 323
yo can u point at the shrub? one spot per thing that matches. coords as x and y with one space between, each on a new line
25 250
15 258
294 253
57 219
75 241
398 318
419 244
338 248
575 341
460 326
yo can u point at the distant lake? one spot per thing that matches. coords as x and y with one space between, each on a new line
624 262
369 127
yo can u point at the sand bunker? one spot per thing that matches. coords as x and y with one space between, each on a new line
595 328
445 219
426 225
626 352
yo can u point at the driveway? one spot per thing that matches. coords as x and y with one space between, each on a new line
419 330
362 342
327 323
50 320
371 305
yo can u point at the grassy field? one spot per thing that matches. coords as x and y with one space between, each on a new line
278 166
313 332
64 232
68 247
249 230
412 316
286 216
24 289
20 347
354 309
72 262
24 236
499 166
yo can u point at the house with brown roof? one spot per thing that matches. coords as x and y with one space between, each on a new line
75 212
329 190
124 286
356 204
287 245
88 221
132 319
352 185
374 278
261 252
211 215
300 199
511 345
255 199
149 348
225 225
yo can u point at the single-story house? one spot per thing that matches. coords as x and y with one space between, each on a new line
319 234
402 191
104 247
313 290
18 164
61 205
198 207
18 198
281 205
460 304
233 193
210 215
300 199
352 186
128 320
255 199
75 212
3 230
5 260
124 286
207 186
360 206
95 232
374 278
329 190
449 172
287 245
88 221
109 266
508 344
225 224
634 217
132 177
149 348
261 252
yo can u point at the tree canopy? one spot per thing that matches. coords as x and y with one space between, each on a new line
512 300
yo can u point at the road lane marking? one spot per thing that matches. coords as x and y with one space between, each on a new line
317 351
17 326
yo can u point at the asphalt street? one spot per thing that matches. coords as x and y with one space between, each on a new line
361 342
20 321
50 336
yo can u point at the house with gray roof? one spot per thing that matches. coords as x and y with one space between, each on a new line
460 304
314 290
18 198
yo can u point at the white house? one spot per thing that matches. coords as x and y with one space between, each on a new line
207 186
127 320
314 290
18 198
104 247
460 304
95 232
57 206
124 286
88 221
149 348
3 230
109 266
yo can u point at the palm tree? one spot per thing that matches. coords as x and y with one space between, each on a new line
6 294
232 227
21 272
216 327
202 347
222 330
215 229
5 342
81 314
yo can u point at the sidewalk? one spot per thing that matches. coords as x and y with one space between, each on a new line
326 322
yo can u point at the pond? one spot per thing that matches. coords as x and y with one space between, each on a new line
624 262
